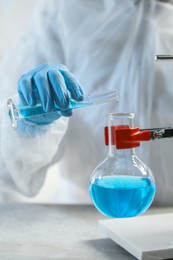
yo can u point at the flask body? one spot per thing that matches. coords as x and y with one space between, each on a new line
122 185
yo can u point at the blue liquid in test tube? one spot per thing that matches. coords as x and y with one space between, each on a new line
16 112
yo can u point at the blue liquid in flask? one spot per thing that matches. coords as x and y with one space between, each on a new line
122 196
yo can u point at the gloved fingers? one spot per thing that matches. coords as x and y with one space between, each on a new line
73 85
67 113
25 90
59 89
22 100
49 85
43 87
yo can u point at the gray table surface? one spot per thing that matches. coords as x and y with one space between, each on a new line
31 231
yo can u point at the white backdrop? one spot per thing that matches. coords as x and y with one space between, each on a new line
14 15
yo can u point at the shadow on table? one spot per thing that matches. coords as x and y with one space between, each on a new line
106 247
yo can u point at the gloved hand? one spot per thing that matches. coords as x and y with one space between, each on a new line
48 85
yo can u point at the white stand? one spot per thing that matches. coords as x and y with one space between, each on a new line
146 237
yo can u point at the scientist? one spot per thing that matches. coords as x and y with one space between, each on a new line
106 44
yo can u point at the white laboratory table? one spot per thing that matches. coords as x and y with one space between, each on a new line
67 232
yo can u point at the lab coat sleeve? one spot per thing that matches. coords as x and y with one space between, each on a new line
26 157
27 152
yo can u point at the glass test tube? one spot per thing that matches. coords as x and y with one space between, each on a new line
17 112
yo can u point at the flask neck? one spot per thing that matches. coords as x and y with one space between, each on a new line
113 151
123 121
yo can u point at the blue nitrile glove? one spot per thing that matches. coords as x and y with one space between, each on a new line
48 85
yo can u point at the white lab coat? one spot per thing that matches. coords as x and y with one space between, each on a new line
107 44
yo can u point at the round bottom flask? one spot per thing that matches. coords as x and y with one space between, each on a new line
122 185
